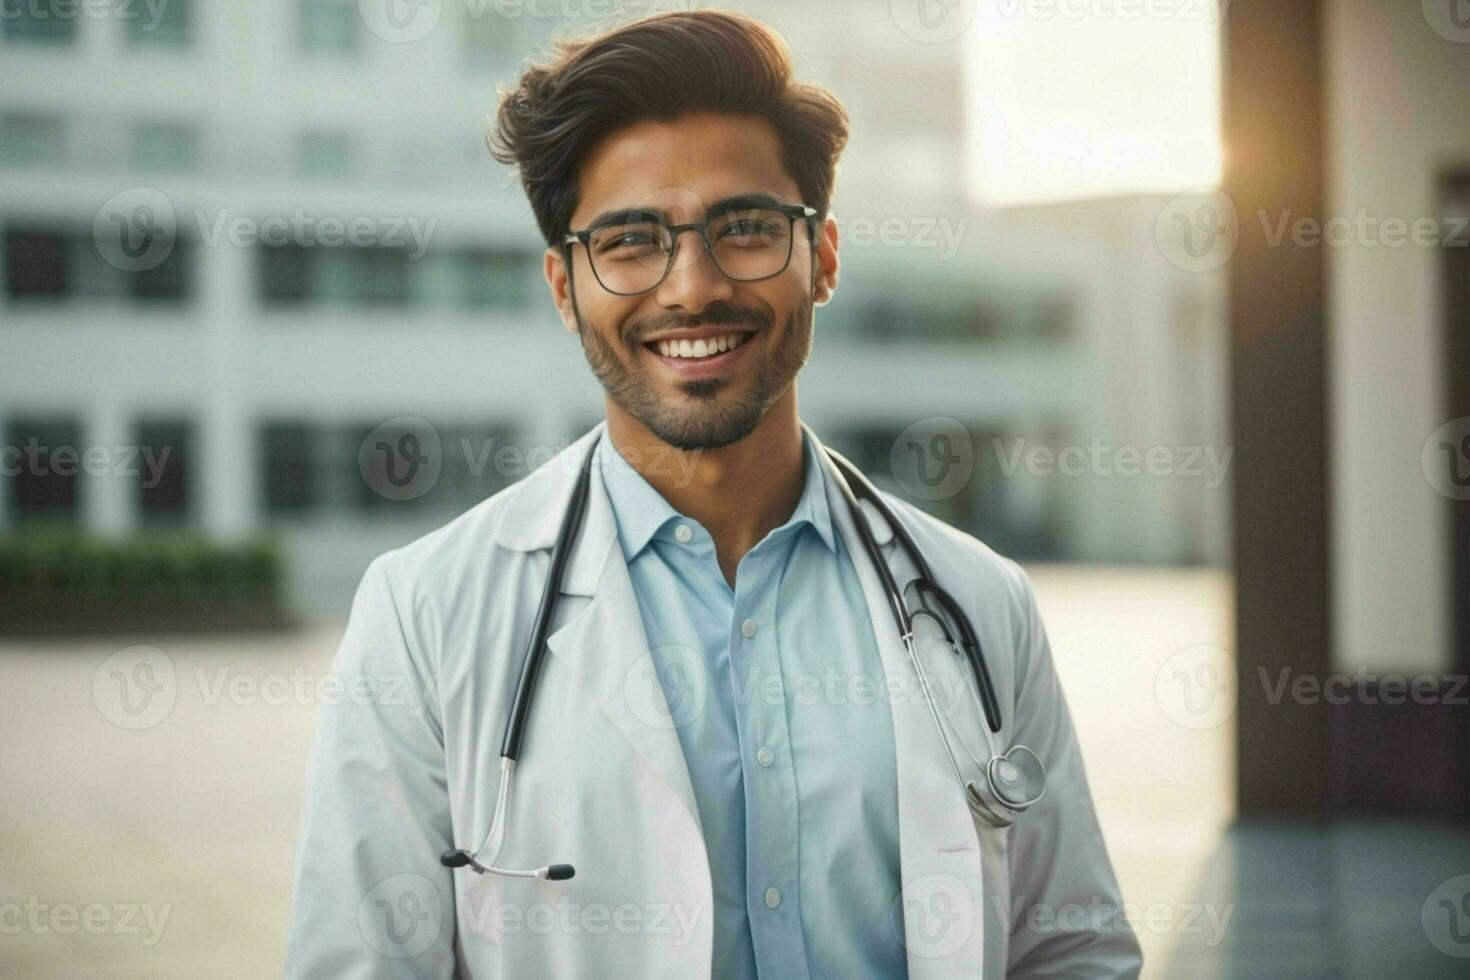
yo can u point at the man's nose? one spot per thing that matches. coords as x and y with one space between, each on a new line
695 280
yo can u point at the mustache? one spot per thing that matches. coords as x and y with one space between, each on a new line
719 316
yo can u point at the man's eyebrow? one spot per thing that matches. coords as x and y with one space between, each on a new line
749 199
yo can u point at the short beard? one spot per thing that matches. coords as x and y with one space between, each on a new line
709 422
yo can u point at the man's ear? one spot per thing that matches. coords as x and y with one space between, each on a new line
556 268
825 267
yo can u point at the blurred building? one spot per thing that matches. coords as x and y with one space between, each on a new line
271 363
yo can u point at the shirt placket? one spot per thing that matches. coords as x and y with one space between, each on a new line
772 890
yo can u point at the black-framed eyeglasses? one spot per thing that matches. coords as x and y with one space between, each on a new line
633 252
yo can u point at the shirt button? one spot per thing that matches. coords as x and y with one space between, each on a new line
764 756
748 628
773 898
682 534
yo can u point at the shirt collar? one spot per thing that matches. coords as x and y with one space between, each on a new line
640 510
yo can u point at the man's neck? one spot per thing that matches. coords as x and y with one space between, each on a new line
739 492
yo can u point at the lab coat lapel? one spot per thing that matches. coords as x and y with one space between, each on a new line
604 643
943 898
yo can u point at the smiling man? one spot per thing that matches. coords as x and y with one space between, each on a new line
788 726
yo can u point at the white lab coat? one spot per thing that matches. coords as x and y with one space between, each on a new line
404 765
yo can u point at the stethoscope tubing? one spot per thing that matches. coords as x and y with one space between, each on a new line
852 484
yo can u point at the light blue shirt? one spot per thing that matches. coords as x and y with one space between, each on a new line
776 690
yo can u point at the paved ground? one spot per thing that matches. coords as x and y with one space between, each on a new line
166 850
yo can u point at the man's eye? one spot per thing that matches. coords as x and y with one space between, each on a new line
750 228
628 239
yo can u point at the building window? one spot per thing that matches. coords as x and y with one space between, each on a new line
163 471
492 279
287 464
463 279
473 462
165 148
30 139
983 505
319 470
36 264
164 25
323 154
328 25
36 22
42 458
41 264
335 276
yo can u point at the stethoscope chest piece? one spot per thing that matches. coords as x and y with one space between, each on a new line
1013 782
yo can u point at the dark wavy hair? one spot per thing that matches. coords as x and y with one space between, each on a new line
660 67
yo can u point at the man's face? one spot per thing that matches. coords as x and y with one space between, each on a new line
748 340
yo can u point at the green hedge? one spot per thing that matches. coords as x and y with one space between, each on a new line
62 578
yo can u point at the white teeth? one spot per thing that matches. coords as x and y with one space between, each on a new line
703 347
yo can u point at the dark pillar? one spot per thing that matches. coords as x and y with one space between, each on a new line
1273 132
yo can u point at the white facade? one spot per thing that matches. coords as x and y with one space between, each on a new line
1093 337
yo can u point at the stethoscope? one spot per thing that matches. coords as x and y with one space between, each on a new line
1011 781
